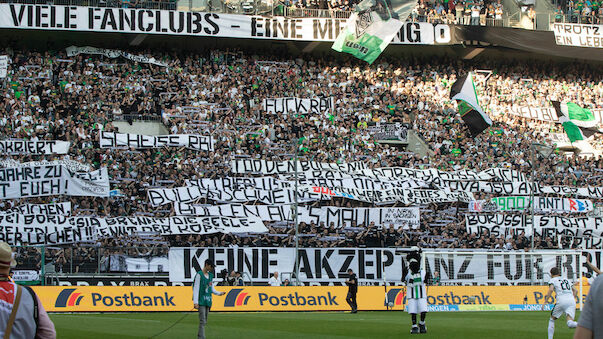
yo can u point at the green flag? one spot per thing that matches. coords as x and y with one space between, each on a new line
578 113
372 26
579 123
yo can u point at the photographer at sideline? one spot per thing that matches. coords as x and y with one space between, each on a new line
203 289
238 281
22 314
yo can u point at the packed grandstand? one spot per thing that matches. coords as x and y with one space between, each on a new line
49 95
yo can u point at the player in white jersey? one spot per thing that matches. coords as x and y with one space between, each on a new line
416 294
565 293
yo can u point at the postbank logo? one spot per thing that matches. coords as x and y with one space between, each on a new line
395 296
236 297
68 297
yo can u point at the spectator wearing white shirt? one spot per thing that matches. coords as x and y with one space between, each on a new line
274 281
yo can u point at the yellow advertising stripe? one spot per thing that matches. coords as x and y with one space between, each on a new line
264 298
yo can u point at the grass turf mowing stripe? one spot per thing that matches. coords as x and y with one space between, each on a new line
503 325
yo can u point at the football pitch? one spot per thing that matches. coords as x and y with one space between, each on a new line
462 325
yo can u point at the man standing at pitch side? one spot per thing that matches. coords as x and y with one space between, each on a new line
352 283
203 288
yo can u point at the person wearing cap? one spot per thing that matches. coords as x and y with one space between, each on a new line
21 312
203 288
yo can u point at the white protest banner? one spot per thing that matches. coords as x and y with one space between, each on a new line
162 196
328 266
500 268
299 105
269 197
518 188
125 140
587 192
286 167
543 204
19 229
384 132
38 181
113 227
269 213
192 23
72 165
355 182
544 225
235 183
548 114
25 275
506 188
579 35
3 66
392 195
482 206
59 208
432 174
406 217
34 147
113 53
536 113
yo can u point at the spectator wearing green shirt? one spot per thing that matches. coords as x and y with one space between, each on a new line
203 289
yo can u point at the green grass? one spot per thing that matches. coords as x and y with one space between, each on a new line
504 325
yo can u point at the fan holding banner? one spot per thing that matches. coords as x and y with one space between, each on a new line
372 26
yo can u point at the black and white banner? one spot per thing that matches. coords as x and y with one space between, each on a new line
39 181
34 147
235 183
3 66
384 132
316 264
548 114
392 195
299 105
432 174
518 188
544 225
507 268
113 53
59 208
579 35
113 227
72 165
126 140
252 166
162 196
144 21
542 204
356 182
25 275
375 265
18 229
406 217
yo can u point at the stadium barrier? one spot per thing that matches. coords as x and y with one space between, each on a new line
306 298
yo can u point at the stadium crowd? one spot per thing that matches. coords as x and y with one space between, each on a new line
50 96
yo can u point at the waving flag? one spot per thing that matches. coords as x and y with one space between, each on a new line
463 90
579 123
372 27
